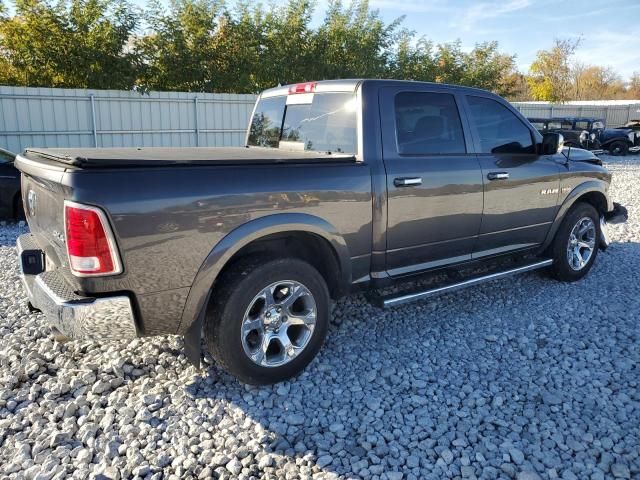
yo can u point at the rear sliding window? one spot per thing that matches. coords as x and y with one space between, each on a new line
318 122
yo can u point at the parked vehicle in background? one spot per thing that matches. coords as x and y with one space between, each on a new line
10 199
590 133
632 124
344 186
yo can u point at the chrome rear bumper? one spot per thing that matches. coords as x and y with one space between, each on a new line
71 314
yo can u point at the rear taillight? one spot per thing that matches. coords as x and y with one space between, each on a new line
308 87
90 245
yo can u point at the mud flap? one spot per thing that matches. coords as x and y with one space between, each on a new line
619 214
193 337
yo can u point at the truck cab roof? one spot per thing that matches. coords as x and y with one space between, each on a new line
351 85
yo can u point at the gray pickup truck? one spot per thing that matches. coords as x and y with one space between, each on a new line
350 185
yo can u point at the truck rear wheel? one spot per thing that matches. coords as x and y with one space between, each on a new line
575 246
268 319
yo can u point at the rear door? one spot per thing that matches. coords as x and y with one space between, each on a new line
434 182
521 188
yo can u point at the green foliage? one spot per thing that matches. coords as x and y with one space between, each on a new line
206 45
81 43
550 73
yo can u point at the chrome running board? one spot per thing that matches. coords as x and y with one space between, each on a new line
392 301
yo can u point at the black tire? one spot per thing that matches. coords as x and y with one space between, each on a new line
562 269
618 148
236 294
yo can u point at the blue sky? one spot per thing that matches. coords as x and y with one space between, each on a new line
610 29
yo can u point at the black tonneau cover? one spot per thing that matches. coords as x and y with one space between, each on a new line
159 157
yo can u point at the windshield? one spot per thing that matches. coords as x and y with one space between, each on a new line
324 122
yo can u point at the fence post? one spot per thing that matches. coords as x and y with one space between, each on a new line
195 107
93 120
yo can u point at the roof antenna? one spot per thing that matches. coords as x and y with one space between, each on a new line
567 155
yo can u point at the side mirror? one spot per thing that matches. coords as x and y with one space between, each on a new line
552 143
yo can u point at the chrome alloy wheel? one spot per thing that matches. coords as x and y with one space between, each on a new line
278 323
582 242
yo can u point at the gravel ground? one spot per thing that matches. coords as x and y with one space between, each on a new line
525 378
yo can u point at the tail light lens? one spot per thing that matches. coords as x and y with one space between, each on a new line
90 244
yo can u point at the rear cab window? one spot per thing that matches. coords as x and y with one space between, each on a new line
323 122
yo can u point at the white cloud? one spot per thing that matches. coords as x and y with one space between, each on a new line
610 48
411 6
481 11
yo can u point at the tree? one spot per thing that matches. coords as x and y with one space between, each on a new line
178 52
485 67
413 61
633 88
79 44
353 41
550 75
240 47
515 87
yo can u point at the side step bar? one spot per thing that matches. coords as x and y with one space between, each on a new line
392 301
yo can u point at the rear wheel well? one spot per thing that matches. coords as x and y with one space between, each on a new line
305 246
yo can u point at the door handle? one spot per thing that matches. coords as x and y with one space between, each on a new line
407 182
498 176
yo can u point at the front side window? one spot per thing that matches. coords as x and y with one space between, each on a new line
428 123
499 130
327 123
582 125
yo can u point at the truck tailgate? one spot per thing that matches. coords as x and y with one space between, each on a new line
43 198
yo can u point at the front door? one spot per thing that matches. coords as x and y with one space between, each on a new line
521 188
434 182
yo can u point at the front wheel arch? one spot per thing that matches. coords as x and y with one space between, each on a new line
592 192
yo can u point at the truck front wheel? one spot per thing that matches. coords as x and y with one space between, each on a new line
268 319
575 246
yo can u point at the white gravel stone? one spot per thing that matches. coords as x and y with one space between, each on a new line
525 378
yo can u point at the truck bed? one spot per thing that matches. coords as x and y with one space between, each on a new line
162 157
